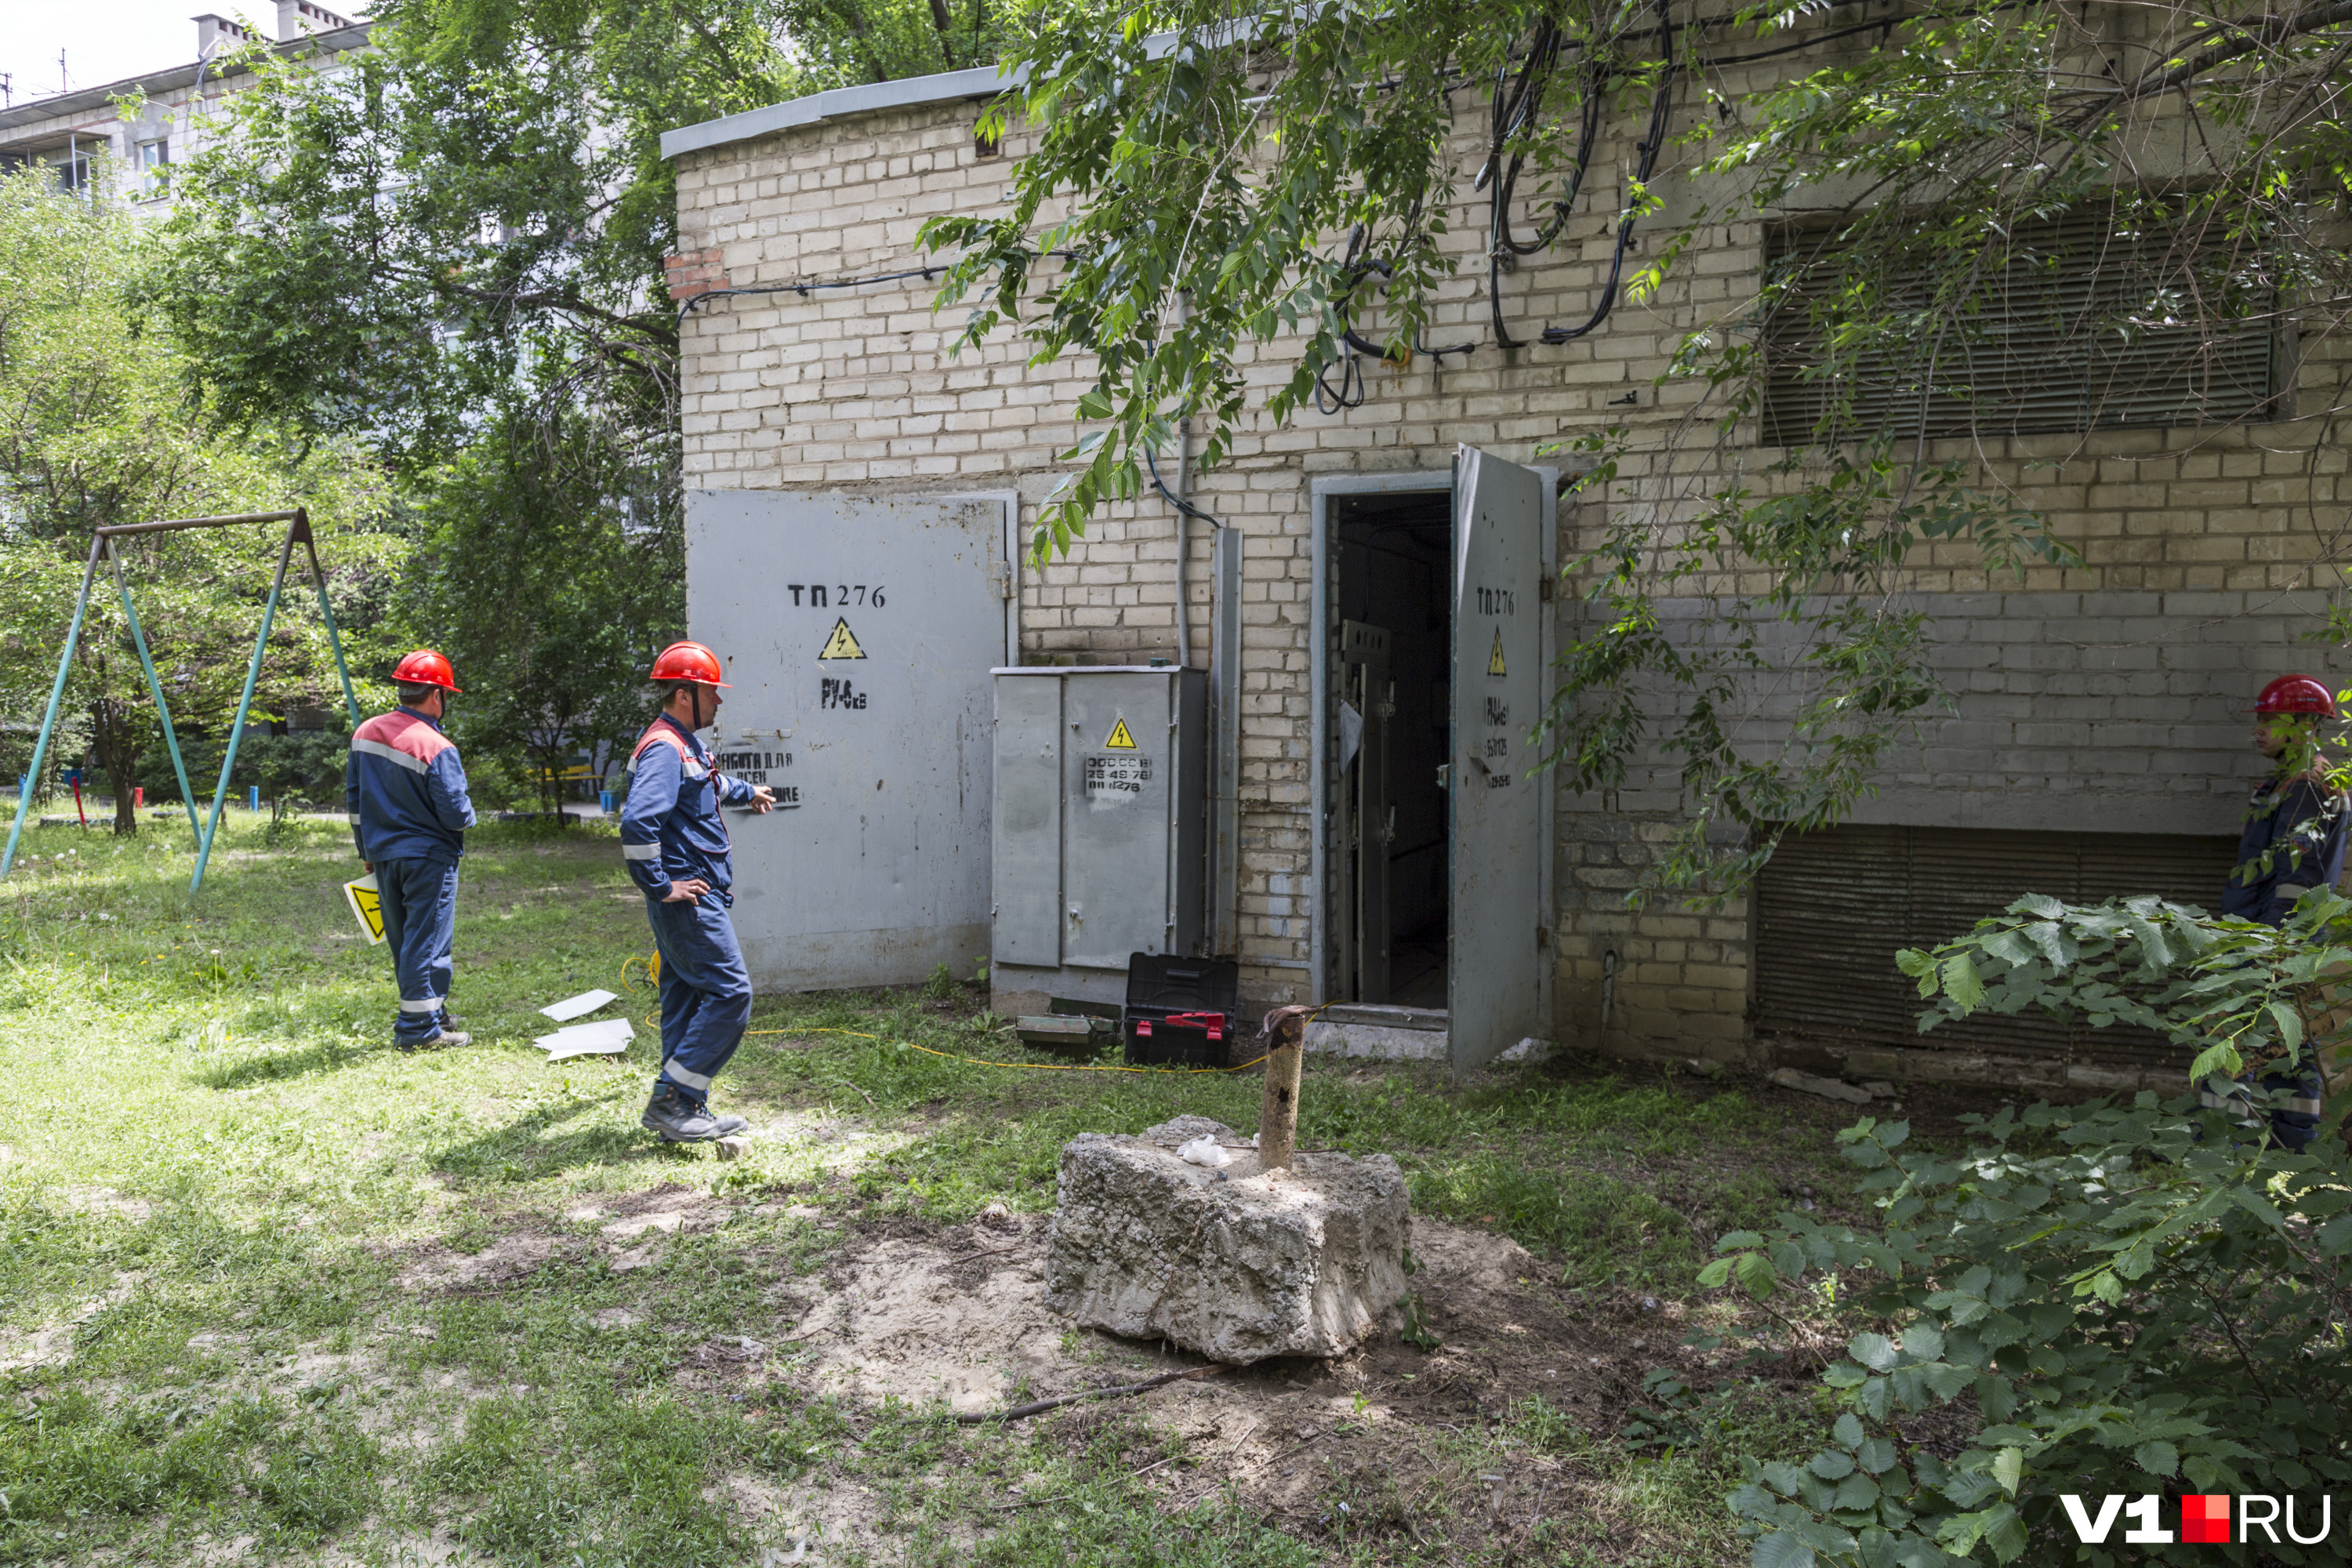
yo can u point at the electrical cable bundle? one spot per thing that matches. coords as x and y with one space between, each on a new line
1515 107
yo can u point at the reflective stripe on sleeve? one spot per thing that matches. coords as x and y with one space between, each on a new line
641 851
2245 1106
2291 891
430 1005
392 754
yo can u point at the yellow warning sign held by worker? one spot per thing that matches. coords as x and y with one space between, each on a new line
1494 660
843 643
367 907
1120 740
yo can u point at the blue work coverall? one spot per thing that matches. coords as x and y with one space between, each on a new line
2293 842
404 789
670 831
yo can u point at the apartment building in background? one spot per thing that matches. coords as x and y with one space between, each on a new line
76 134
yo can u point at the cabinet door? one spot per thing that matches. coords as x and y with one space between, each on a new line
1118 752
1028 829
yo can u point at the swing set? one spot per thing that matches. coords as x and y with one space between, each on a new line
102 547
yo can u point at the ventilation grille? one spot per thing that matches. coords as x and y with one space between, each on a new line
1832 907
2081 325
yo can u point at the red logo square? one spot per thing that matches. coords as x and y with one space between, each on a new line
2205 1517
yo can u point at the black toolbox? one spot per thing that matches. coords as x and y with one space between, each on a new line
1180 1011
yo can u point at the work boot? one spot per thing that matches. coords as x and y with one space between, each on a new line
447 1039
723 1126
677 1118
448 1021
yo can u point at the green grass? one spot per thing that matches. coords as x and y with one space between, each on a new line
218 1172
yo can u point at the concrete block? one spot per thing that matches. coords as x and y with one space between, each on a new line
1235 1264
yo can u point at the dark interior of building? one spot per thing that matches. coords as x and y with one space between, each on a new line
1391 567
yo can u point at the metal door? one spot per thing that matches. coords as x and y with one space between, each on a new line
858 634
1495 969
1026 812
1118 741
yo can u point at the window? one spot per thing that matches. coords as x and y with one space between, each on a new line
73 174
2088 322
154 169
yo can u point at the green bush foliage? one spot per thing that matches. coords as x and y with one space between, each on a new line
2114 1298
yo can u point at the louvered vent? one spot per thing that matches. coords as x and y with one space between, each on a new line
2081 323
1832 907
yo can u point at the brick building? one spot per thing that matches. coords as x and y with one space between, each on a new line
2099 747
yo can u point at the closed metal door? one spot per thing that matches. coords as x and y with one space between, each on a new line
1118 752
1494 970
1028 827
858 634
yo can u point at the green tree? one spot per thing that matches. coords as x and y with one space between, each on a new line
1202 183
455 242
541 583
95 429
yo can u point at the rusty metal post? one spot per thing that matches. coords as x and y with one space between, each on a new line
1278 1116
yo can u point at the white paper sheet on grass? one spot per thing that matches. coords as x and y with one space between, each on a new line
572 1007
601 1038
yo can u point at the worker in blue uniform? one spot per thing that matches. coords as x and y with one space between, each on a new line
404 789
2292 843
674 844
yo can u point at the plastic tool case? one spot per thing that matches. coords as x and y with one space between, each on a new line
1181 1010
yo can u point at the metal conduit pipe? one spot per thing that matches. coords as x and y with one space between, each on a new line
1183 522
1184 543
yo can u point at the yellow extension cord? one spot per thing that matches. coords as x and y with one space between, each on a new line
652 974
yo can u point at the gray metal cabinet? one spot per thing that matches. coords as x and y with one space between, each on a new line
1097 842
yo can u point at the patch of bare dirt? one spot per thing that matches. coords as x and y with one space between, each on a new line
53 1344
436 1267
106 1201
812 1522
958 1316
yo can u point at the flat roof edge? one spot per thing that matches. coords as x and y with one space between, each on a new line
943 86
838 103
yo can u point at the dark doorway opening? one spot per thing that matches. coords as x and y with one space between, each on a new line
1390 708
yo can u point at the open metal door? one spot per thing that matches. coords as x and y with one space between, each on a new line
858 634
1495 973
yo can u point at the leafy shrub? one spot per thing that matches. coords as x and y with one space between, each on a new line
2115 1299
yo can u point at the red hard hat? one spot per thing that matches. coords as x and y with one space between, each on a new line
2295 694
426 668
688 661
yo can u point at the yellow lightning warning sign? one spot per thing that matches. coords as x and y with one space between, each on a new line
367 907
842 644
1121 741
1494 660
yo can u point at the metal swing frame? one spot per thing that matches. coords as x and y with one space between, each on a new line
102 547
